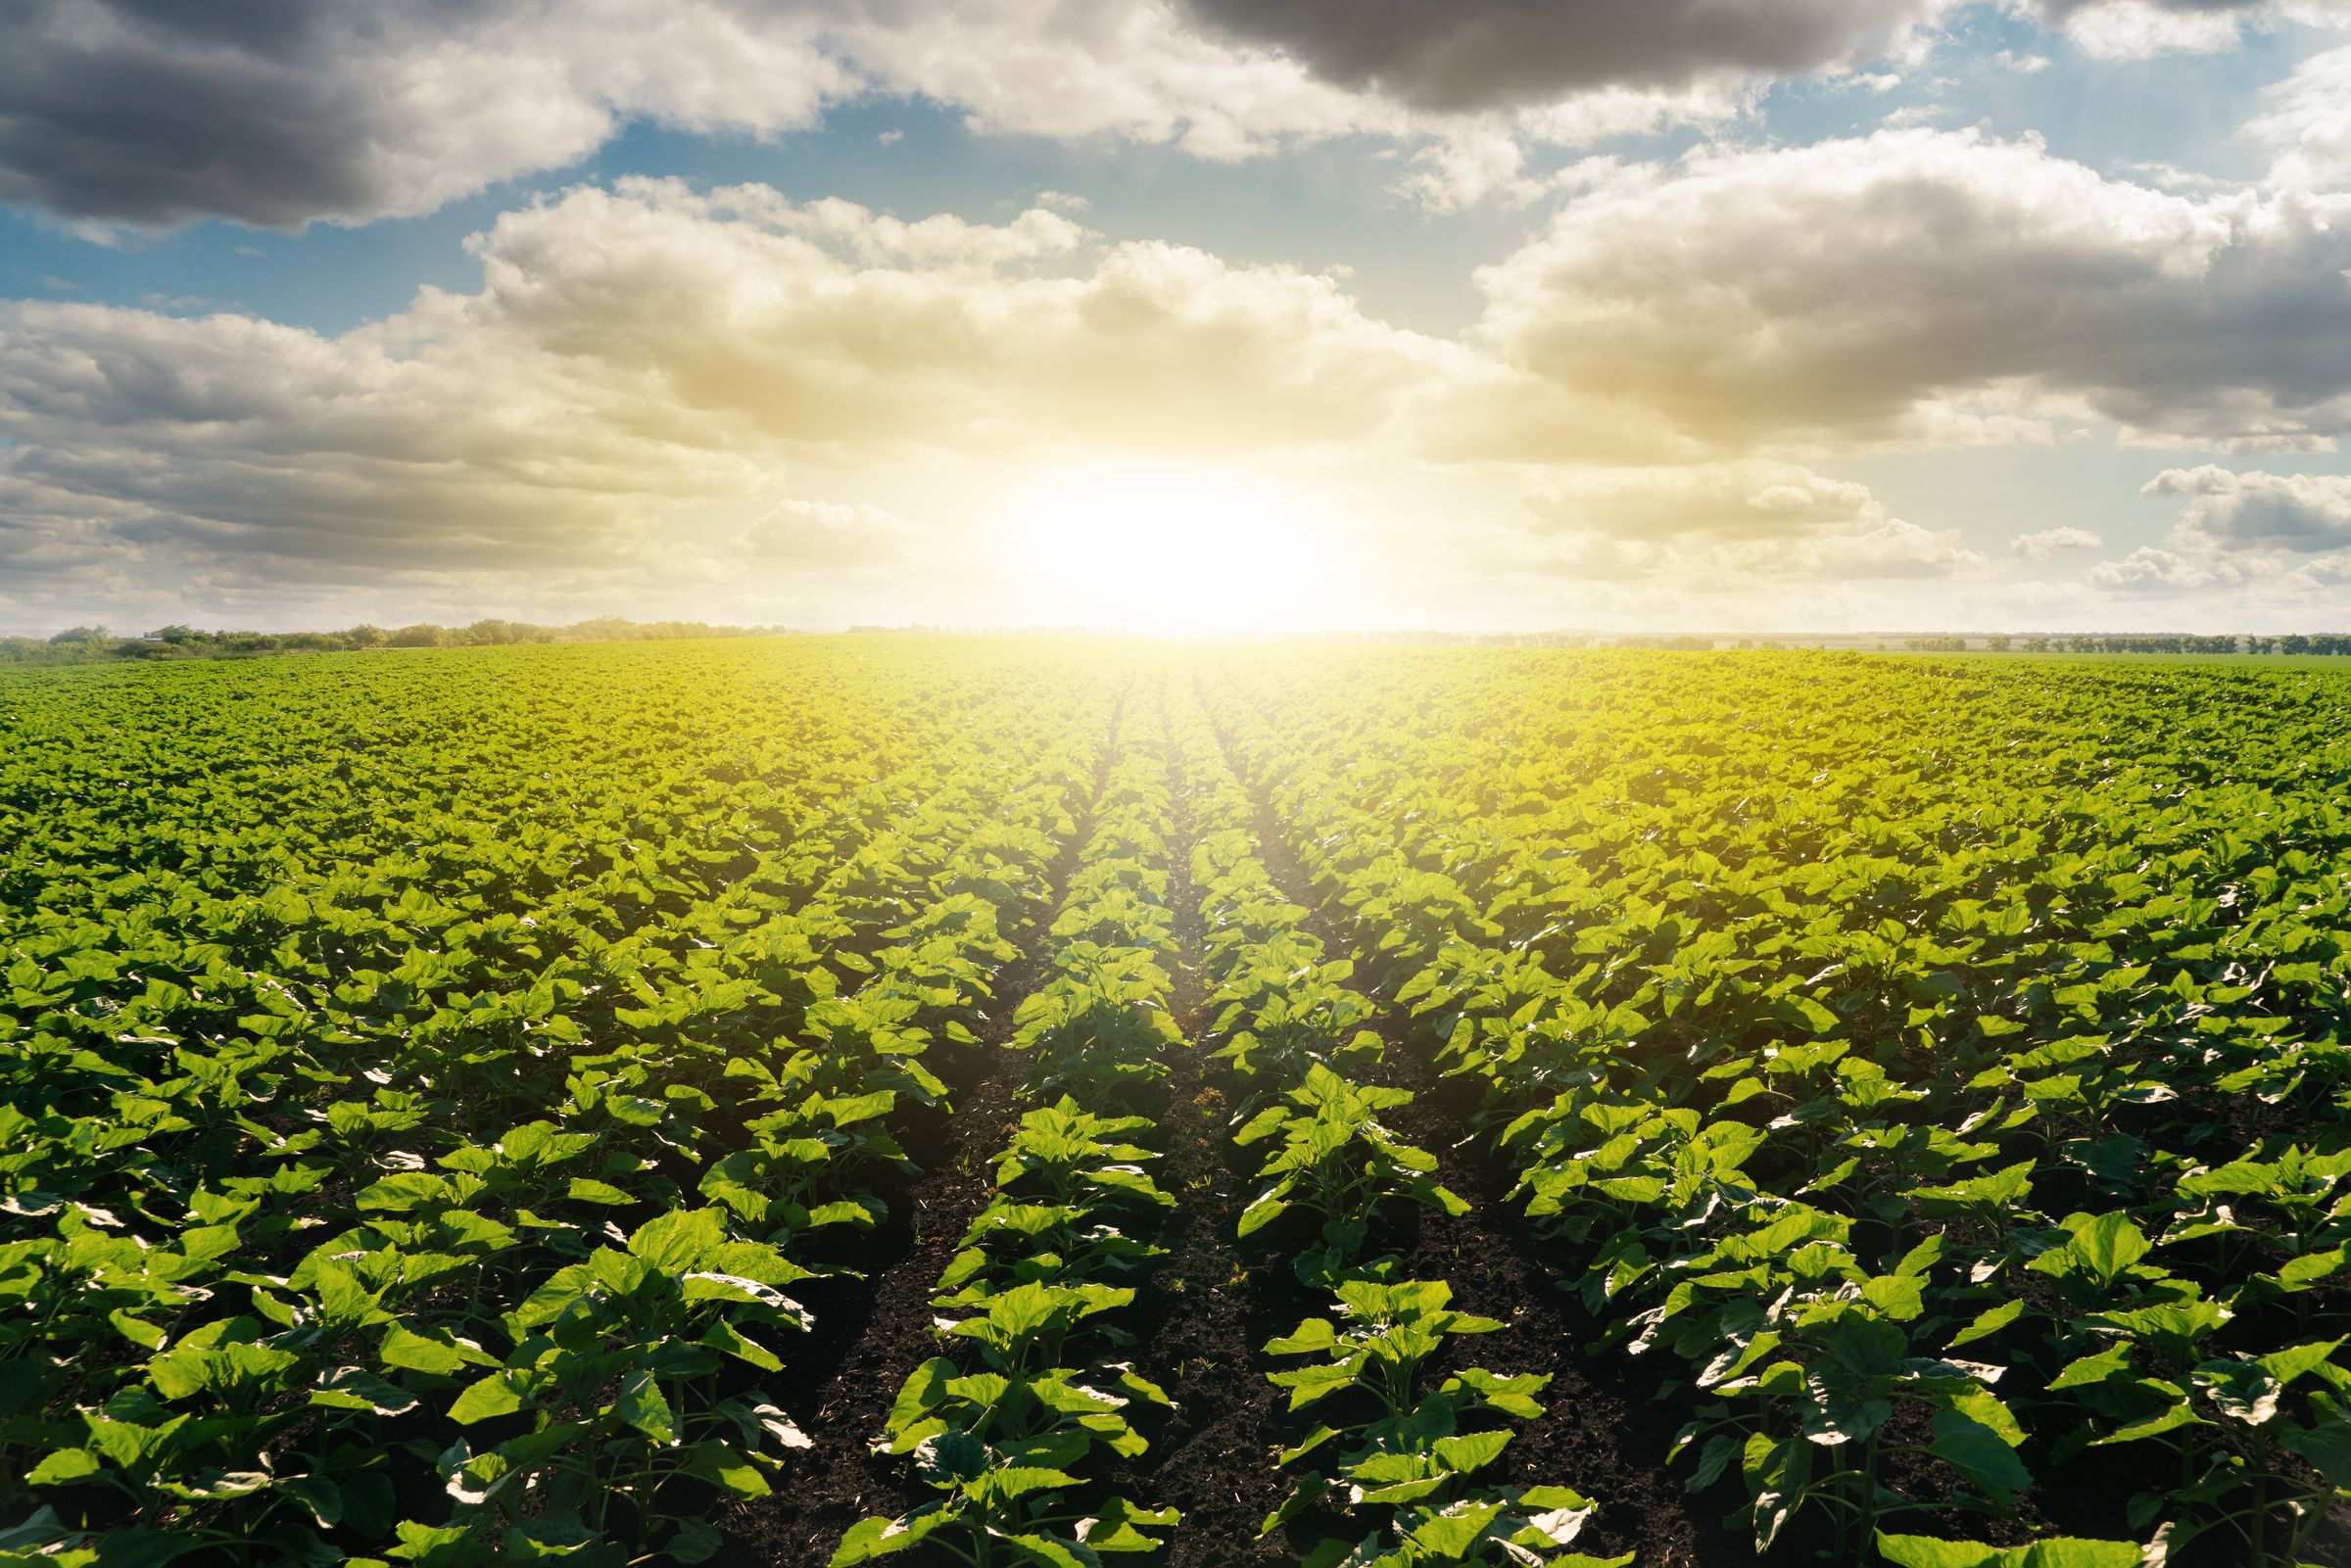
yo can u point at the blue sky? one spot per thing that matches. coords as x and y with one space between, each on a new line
1696 314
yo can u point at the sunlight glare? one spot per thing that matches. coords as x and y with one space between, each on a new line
1177 547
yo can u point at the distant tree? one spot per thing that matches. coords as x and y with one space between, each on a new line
423 635
1996 645
180 636
364 635
84 634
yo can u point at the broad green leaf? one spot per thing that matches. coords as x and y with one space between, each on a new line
677 1240
642 1405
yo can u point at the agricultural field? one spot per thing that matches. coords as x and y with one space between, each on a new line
1015 1102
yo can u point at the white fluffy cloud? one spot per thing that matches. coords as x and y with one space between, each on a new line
2307 128
2048 542
1724 525
639 352
2279 531
2298 514
2135 29
1924 287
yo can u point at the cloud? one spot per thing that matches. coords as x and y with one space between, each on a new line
826 534
1452 56
1920 287
2239 531
641 352
2137 29
278 112
2308 127
2041 546
2299 513
1723 525
275 112
2150 569
1722 501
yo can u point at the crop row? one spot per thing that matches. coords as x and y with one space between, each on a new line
1401 1466
1035 1286
1805 1145
434 1087
321 1188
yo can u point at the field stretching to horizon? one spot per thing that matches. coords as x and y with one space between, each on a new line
1014 1101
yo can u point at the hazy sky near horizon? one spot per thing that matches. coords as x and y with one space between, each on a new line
1627 315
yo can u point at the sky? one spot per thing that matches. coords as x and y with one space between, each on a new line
1620 315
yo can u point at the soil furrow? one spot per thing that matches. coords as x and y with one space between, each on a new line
836 1481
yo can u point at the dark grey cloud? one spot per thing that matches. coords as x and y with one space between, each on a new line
275 112
1451 55
153 111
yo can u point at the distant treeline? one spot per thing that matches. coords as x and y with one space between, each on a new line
1463 639
85 644
2297 642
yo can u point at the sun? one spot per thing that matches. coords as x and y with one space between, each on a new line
1174 547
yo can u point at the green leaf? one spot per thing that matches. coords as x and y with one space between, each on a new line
951 1458
322 1496
2112 1361
495 1394
869 1538
716 1462
1115 1527
677 1240
1897 1295
924 1387
642 1406
1000 1487
353 1388
2327 1446
2068 1551
1465 1454
63 1467
1978 1452
1261 1214
2170 1419
1932 1552
723 1336
587 1191
1983 1407
2109 1244
2313 1266
2289 1364
1049 1553
697 1540
441 1352
144 1548
1452 1533
1314 1334
1987 1323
